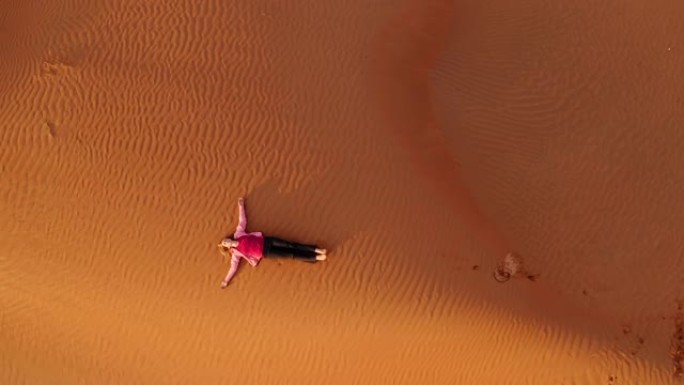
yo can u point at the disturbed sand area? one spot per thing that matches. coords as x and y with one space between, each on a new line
418 141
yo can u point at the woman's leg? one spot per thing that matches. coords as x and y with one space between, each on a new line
278 252
278 248
281 252
277 242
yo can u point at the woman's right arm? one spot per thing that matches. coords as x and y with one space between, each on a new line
234 263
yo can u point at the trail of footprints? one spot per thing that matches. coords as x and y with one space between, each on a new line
511 266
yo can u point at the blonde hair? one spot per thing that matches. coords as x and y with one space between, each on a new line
224 250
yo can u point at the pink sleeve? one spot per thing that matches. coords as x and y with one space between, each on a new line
242 224
234 263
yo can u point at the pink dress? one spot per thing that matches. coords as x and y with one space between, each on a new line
250 247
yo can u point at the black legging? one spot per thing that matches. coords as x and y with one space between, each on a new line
279 248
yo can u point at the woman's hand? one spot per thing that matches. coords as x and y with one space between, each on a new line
241 201
224 284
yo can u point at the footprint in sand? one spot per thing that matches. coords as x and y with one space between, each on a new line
508 268
512 266
51 127
677 344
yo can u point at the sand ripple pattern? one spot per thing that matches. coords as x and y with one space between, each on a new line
128 130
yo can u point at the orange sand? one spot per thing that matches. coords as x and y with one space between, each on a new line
419 141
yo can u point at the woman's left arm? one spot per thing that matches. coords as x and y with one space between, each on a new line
242 224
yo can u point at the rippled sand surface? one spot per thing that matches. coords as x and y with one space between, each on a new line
419 141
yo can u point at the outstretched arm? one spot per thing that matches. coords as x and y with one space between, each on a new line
234 263
242 224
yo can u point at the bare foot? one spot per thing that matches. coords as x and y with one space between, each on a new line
321 251
321 257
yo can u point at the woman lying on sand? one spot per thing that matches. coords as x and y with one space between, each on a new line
254 246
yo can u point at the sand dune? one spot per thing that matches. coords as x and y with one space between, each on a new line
420 141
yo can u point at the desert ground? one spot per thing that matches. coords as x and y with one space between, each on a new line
420 142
